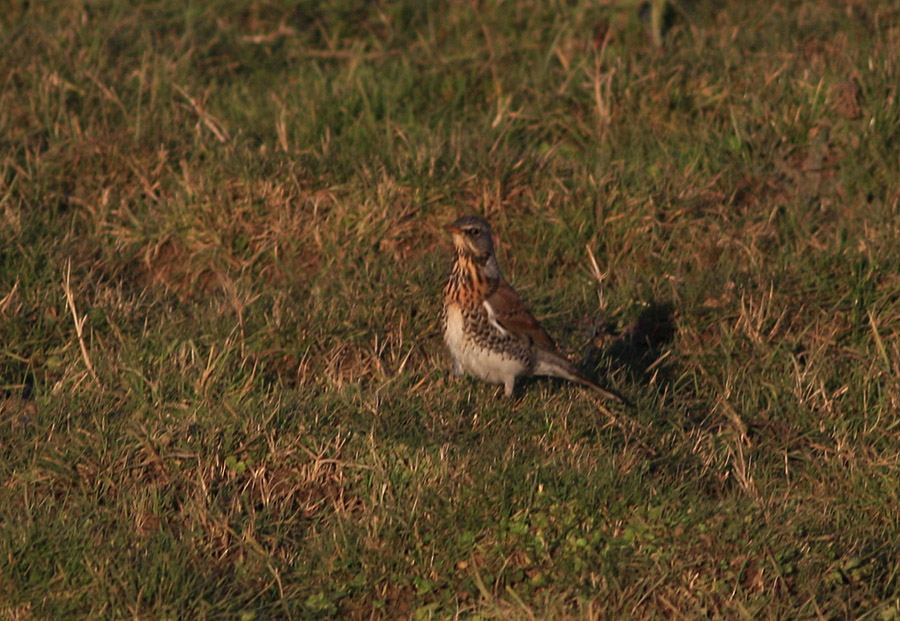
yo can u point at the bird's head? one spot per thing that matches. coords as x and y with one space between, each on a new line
472 237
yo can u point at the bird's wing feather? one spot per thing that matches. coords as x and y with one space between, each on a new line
508 310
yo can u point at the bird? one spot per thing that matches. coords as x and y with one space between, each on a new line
488 329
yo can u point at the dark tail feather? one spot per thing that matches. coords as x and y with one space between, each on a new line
554 365
603 392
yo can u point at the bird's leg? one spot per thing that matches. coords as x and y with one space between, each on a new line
457 370
508 387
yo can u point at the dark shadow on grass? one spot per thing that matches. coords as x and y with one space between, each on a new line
639 353
639 348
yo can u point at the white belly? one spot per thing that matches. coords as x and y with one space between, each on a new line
491 366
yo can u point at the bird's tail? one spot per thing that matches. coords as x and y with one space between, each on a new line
554 365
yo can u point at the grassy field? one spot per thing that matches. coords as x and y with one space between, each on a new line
223 389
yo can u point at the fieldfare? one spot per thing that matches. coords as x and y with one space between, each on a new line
489 331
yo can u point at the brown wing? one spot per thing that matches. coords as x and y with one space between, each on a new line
515 317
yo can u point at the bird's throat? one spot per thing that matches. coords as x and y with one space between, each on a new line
473 278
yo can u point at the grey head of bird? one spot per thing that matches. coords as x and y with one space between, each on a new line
472 237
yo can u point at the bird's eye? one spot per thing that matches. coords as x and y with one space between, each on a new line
472 232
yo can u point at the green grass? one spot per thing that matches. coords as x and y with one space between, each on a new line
246 410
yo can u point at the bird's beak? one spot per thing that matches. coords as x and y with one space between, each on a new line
452 228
